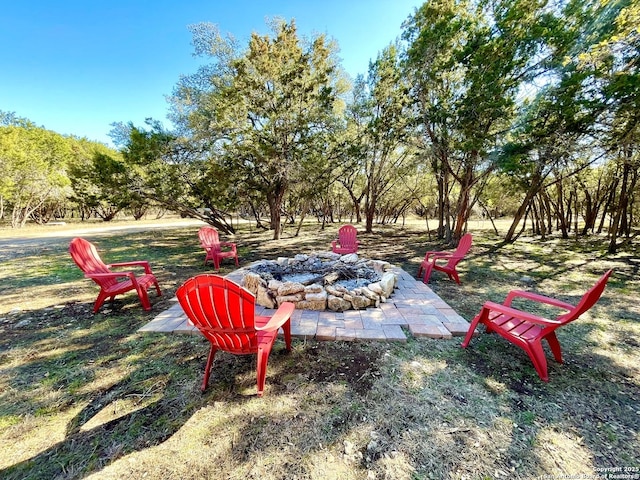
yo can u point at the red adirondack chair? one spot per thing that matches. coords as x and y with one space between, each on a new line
347 241
214 247
452 259
112 283
225 314
527 330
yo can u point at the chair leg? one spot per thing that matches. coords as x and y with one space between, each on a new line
286 328
555 346
454 276
144 298
537 356
261 369
472 328
427 273
99 301
207 368
157 288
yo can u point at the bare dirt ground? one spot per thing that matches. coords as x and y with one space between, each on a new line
22 242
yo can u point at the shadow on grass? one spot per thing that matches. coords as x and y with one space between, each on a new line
117 392
591 395
431 404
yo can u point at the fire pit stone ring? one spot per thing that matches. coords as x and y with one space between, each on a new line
320 281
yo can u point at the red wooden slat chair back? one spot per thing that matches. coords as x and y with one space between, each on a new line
224 312
210 241
112 283
347 241
452 259
527 330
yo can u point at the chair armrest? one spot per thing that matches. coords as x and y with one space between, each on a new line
128 274
228 244
282 315
137 263
514 312
513 294
432 257
436 254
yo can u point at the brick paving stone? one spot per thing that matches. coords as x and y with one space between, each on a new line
303 331
331 322
424 320
430 331
414 293
410 312
355 323
346 334
457 329
391 315
371 314
326 333
310 315
308 322
166 324
431 310
170 312
186 327
394 333
387 306
394 318
453 317
372 323
367 334
439 304
351 314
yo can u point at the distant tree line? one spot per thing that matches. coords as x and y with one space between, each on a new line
511 107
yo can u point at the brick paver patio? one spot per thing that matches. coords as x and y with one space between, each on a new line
413 306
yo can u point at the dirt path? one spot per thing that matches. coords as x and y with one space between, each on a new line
24 242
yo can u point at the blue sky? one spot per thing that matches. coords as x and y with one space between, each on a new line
77 66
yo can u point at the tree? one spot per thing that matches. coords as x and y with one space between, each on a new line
612 59
268 113
385 143
34 162
177 173
467 62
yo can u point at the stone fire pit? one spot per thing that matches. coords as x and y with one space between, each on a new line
320 281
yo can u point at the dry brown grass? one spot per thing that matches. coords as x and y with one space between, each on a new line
86 396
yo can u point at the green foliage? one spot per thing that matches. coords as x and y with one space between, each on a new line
380 115
34 162
266 114
100 180
467 62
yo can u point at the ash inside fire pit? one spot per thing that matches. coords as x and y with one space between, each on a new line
320 281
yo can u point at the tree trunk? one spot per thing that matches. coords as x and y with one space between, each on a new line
522 209
274 199
608 205
621 209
